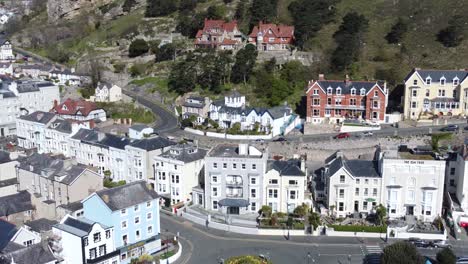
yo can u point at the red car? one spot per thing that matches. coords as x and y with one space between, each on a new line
342 135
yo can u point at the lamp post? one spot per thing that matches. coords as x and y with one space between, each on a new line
308 257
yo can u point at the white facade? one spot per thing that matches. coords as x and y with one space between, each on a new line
8 175
76 245
413 186
6 68
9 111
177 171
6 51
284 192
139 131
26 237
65 77
35 95
106 92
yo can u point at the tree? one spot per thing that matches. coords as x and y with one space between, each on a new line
301 210
166 52
188 23
245 62
349 37
186 123
401 252
263 10
215 12
446 256
306 25
397 32
137 47
452 35
266 211
156 8
314 220
187 5
295 73
381 212
183 75
128 5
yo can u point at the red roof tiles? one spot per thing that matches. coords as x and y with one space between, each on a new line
72 107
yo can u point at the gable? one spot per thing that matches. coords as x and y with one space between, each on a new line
315 85
376 87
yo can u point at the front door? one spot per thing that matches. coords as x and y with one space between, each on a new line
356 206
200 199
410 210
233 210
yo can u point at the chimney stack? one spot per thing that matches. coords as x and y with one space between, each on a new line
55 103
321 77
346 78
417 69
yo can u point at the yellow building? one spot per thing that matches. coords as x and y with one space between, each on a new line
435 92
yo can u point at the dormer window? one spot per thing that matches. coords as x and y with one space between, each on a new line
338 91
353 91
428 81
329 90
456 81
64 107
363 91
442 81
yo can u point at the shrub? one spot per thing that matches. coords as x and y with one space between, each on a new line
266 211
446 256
108 183
138 47
359 228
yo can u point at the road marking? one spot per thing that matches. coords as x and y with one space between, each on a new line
373 249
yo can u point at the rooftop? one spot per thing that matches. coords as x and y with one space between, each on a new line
233 151
38 253
286 167
15 203
77 226
41 224
127 195
7 231
39 117
185 153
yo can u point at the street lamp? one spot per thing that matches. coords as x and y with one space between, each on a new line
308 257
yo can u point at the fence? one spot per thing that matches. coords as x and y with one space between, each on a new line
228 136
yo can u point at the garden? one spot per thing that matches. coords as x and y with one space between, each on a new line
373 223
298 219
213 126
249 259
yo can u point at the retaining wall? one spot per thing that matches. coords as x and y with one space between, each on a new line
359 128
194 131
176 256
228 136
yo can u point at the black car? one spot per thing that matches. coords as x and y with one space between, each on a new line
450 128
280 139
420 243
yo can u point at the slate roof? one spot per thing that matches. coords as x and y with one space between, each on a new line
229 150
114 141
41 224
3 41
50 167
15 203
152 143
75 106
7 93
72 207
185 153
7 232
102 85
127 195
139 127
4 157
358 168
278 31
436 75
61 125
39 117
286 167
346 86
37 252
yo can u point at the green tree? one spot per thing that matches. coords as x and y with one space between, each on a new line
137 47
381 212
183 75
156 8
187 5
446 256
295 73
263 10
188 23
397 32
306 25
349 37
216 12
128 5
166 52
301 210
314 220
244 65
454 34
266 211
401 252
186 123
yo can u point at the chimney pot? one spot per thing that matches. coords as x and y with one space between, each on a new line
347 78
417 69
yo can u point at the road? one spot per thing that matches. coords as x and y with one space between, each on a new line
165 120
202 245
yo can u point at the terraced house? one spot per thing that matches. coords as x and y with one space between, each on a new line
435 92
334 101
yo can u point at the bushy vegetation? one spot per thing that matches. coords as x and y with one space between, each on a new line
128 110
401 252
137 48
246 260
359 228
109 183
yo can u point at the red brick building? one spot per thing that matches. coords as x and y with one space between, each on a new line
272 37
219 34
334 101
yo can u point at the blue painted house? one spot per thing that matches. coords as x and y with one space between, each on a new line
133 211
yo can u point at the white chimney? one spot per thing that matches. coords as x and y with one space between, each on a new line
243 149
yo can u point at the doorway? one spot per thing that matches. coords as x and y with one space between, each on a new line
356 206
233 210
410 210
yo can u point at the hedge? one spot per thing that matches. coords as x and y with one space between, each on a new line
359 228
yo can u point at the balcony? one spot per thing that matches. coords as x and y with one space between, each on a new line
234 183
234 195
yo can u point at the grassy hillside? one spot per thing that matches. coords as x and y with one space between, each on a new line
378 59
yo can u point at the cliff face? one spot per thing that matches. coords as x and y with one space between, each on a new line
68 9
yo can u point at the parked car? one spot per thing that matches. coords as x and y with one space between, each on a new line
342 135
462 260
259 140
440 244
466 128
280 139
368 134
450 128
420 243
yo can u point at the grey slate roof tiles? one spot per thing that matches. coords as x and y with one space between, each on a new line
286 167
185 153
39 253
39 117
358 168
348 85
7 231
15 203
41 224
127 195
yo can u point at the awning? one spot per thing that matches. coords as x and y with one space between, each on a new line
233 202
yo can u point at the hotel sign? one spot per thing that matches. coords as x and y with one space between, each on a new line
414 162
